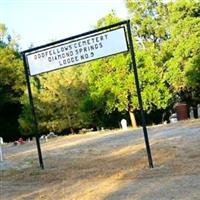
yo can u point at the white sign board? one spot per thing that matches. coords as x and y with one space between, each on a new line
78 51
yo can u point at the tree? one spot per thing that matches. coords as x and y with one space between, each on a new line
12 84
57 97
168 36
155 92
184 43
110 81
150 32
147 17
185 47
11 76
12 81
110 84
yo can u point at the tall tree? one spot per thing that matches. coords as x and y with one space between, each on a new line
110 81
12 84
57 96
185 47
148 19
169 33
184 42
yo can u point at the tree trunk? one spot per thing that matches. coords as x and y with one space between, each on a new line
133 121
195 111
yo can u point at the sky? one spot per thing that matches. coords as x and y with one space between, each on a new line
39 22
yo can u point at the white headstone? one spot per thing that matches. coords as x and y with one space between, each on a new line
1 154
191 113
124 124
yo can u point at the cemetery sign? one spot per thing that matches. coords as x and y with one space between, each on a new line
99 43
73 52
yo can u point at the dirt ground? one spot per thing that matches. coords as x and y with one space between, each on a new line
109 165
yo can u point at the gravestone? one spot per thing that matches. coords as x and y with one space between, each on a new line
124 124
1 154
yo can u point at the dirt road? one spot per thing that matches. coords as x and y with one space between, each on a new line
110 165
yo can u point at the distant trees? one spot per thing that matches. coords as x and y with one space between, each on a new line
110 81
184 46
99 93
57 98
167 36
12 83
11 69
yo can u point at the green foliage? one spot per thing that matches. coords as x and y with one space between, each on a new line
110 18
154 90
6 40
3 33
57 96
25 119
192 72
167 45
150 33
12 82
184 43
168 35
147 18
109 83
11 76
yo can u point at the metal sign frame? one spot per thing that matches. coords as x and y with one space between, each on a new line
71 42
126 25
